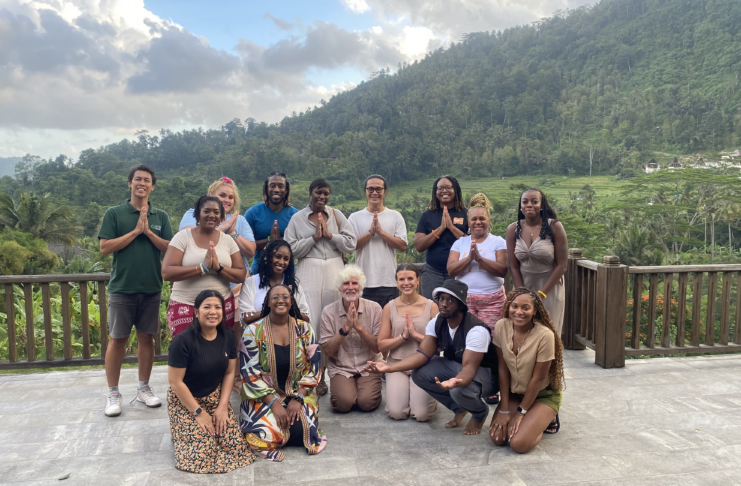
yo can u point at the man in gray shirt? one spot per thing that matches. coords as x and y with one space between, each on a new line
381 232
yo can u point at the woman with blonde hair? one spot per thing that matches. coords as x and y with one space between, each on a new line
234 225
531 368
480 261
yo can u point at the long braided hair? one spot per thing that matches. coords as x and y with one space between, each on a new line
458 203
265 266
546 212
555 373
293 311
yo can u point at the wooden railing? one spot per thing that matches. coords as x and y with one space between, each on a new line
23 347
618 311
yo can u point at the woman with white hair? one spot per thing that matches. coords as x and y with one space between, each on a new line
349 339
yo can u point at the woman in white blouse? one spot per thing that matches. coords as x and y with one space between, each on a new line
275 267
319 235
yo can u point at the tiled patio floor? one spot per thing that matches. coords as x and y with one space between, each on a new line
668 421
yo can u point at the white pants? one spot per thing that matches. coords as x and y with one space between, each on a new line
320 282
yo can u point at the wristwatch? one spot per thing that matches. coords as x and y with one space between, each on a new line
521 410
197 411
342 332
298 397
221 267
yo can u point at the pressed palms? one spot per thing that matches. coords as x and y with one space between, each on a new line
39 216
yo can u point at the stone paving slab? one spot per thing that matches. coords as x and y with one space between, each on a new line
656 422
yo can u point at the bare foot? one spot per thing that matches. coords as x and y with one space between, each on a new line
456 420
473 427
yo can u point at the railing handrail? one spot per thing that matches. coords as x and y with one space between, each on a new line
588 264
56 278
685 268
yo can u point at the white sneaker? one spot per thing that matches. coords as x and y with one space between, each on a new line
113 406
146 396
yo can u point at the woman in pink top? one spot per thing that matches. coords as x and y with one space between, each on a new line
403 326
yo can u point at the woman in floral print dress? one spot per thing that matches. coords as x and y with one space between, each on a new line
201 363
280 365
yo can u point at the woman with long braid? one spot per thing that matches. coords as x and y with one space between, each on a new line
537 250
275 267
280 365
530 367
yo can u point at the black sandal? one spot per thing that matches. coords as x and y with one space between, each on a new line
553 427
492 400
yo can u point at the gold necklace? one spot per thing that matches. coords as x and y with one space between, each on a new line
401 298
514 335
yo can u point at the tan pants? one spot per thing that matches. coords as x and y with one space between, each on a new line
365 391
404 397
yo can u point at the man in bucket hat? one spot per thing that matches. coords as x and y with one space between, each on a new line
463 375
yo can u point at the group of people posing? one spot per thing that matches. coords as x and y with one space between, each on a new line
446 334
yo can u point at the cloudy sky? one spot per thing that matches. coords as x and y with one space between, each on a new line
76 74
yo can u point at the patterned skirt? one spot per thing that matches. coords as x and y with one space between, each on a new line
180 316
198 452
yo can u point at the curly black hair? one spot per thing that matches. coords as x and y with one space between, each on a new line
201 202
458 203
546 212
294 311
265 266
287 200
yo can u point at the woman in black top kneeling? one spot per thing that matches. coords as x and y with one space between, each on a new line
202 361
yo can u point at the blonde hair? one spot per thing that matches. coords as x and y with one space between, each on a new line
350 271
225 181
480 201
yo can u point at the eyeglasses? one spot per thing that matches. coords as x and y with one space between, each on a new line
371 190
278 298
445 189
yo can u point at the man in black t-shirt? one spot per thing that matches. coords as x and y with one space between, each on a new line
445 220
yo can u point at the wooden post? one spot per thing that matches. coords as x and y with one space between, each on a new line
611 304
572 311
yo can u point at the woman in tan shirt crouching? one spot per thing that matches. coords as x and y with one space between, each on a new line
531 366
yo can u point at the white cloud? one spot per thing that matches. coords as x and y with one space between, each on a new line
356 6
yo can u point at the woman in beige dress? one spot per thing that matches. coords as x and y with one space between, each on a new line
537 248
403 324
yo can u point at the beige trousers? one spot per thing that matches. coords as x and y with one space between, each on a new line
404 398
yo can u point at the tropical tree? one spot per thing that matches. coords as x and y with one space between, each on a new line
39 216
635 245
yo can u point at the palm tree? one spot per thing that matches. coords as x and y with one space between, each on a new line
39 216
729 211
635 246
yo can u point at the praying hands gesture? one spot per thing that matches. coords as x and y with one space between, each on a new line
352 318
275 232
375 225
475 255
228 226
142 226
212 260
410 331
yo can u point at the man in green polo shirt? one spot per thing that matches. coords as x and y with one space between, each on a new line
137 234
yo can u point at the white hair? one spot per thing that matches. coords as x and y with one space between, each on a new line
351 271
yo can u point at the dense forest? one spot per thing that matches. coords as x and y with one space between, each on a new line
597 90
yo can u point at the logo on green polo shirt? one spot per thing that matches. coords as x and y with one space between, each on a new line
155 227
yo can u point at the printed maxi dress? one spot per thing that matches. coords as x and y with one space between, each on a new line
259 376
